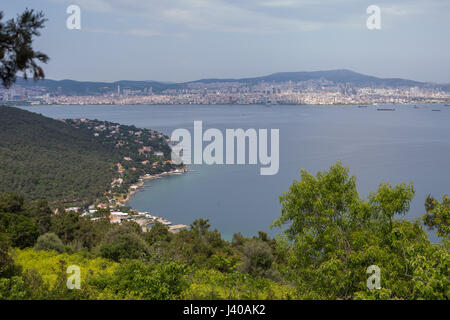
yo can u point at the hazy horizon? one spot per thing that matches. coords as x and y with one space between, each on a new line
231 78
187 40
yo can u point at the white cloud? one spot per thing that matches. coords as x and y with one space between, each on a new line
130 32
214 15
249 16
207 15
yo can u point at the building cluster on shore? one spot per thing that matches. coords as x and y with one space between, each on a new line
142 156
315 92
116 214
144 219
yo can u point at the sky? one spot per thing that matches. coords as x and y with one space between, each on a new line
183 40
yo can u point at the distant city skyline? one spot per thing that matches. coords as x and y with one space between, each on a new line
318 88
186 40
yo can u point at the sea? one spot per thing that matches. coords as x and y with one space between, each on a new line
410 143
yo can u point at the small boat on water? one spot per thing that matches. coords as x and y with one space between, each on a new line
362 106
385 109
435 110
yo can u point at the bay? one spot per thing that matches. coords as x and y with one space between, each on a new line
408 144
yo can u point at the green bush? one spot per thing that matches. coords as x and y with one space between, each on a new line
49 241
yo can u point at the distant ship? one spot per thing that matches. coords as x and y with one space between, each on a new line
385 109
435 110
270 103
362 106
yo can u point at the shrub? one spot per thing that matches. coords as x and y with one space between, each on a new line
49 241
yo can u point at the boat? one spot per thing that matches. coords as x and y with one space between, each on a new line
270 103
362 106
435 110
385 109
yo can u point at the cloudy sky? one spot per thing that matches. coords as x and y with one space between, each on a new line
180 40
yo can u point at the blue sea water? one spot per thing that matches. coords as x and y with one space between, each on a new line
408 144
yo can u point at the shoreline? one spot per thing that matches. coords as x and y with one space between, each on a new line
134 188
231 104
146 218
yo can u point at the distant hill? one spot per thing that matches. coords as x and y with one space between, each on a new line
336 76
72 87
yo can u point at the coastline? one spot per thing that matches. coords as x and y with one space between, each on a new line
145 219
235 104
134 188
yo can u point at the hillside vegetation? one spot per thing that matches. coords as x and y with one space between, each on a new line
44 158
68 161
334 236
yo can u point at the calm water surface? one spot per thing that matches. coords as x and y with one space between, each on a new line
410 144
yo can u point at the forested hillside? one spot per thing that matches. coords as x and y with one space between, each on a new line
68 161
47 159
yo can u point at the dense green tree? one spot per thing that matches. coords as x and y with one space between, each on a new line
337 235
49 241
22 231
438 215
12 203
65 224
40 213
198 245
200 226
157 233
257 258
90 233
238 240
131 226
6 260
123 242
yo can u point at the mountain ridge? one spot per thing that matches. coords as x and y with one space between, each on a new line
337 76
